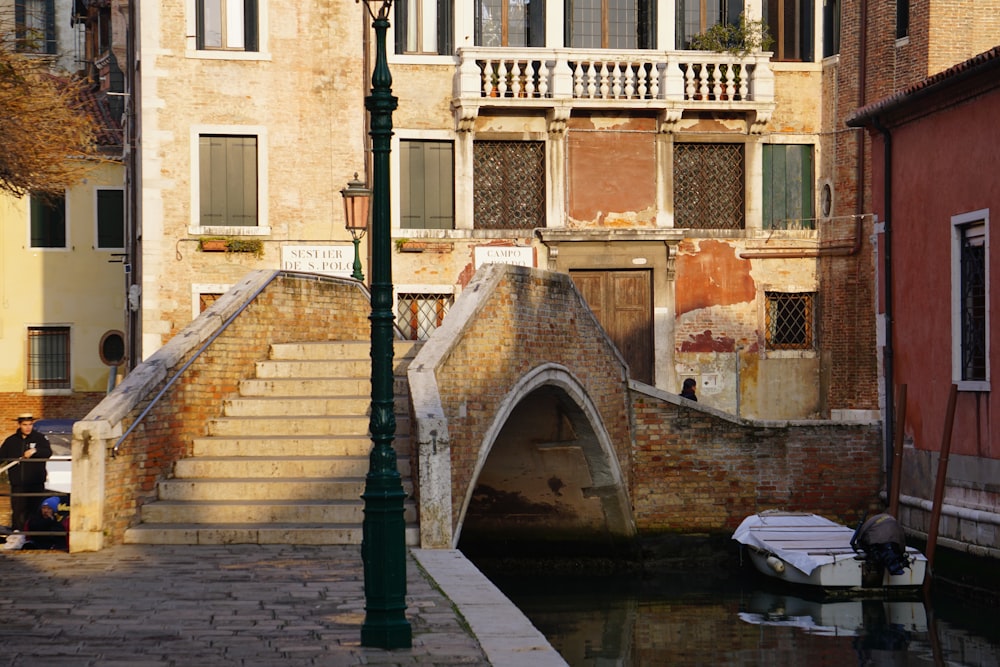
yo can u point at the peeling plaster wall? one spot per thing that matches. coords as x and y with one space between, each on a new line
721 330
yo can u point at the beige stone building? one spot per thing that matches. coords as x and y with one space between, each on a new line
680 188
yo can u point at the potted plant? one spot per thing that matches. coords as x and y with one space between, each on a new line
739 39
231 244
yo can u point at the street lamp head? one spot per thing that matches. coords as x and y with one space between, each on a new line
383 7
357 202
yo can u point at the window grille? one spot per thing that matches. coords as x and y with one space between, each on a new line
973 303
418 315
790 321
48 358
509 184
709 186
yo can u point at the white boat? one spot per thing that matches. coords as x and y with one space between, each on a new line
803 548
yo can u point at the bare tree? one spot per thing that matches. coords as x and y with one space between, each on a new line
46 131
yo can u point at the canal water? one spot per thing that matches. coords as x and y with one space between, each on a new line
734 616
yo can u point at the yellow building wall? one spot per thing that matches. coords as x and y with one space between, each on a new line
80 287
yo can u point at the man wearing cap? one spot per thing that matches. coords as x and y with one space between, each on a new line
30 450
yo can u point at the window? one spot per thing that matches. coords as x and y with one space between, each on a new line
228 180
111 218
789 22
610 24
227 25
510 22
831 28
508 184
902 18
423 26
419 314
426 185
35 22
696 16
970 296
48 221
709 188
48 358
788 189
790 320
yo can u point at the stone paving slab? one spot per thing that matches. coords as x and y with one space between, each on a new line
245 605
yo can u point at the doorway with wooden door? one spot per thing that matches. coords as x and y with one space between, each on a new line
622 302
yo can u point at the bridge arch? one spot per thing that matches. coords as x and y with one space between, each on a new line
514 333
547 469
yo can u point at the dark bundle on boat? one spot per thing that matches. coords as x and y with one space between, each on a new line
883 542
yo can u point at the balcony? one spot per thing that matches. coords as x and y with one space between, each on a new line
670 82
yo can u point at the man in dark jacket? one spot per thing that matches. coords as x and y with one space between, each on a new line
27 476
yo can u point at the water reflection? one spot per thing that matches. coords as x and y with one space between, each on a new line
694 618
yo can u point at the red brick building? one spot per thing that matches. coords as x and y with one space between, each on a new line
935 145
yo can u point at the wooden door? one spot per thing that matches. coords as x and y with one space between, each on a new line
622 302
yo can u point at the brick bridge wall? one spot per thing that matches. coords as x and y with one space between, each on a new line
289 308
696 469
509 321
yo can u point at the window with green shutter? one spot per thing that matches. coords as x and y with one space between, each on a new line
48 221
788 186
111 218
228 181
426 185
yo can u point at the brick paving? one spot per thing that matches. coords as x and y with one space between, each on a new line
247 605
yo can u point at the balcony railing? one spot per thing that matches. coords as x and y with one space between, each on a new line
613 78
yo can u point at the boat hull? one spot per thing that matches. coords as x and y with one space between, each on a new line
808 549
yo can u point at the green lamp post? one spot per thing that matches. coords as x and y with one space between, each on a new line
383 546
357 200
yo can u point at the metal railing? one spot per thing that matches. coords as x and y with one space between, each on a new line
184 367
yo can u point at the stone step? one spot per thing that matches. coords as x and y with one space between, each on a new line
260 512
278 533
297 426
293 407
340 349
315 387
343 368
266 488
240 467
307 445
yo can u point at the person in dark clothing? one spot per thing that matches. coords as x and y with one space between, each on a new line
46 529
29 450
688 390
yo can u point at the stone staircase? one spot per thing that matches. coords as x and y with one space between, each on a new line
286 463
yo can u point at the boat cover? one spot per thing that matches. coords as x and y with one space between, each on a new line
803 540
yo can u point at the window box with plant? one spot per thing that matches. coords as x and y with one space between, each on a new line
228 244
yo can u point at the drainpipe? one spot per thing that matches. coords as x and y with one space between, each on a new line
887 272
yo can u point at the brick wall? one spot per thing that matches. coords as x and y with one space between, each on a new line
74 406
700 470
530 317
291 308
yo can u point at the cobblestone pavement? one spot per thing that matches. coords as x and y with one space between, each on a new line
244 605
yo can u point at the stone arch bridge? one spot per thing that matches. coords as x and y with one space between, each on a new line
523 421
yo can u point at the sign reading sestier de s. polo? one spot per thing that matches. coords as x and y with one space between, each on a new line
330 260
492 254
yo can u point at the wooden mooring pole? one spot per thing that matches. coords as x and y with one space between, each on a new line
942 471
